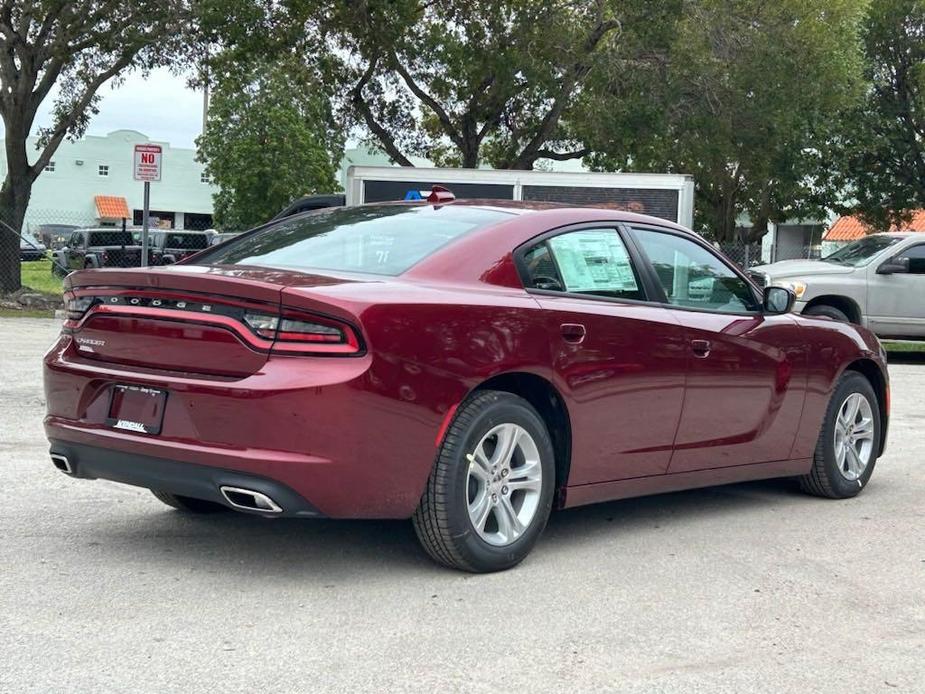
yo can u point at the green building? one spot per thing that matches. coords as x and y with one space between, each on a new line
89 181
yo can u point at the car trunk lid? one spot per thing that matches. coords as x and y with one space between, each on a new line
197 319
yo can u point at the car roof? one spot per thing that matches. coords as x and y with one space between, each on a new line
612 212
900 234
107 229
470 255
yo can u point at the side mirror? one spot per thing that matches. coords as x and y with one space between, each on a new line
778 300
894 266
168 259
547 283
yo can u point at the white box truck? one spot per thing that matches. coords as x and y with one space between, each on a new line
668 196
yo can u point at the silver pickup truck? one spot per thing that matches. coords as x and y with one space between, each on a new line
877 281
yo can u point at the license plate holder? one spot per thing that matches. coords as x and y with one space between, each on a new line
139 409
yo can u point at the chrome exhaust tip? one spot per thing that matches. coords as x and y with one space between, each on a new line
249 500
62 463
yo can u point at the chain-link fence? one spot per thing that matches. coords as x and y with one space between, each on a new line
748 255
49 244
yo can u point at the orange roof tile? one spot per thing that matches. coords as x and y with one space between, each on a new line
849 228
111 207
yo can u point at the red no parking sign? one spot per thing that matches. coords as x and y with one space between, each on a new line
147 163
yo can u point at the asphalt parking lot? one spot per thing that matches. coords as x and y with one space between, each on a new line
752 587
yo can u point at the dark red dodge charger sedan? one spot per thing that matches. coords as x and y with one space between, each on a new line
470 365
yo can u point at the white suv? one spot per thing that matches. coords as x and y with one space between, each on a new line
877 281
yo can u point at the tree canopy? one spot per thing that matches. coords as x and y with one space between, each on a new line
463 84
270 137
875 162
744 93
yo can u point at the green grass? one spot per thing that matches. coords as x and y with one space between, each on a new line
891 346
37 275
27 313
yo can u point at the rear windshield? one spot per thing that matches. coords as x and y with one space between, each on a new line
383 240
111 238
186 241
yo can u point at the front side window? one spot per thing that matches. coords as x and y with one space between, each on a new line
589 261
692 276
382 240
916 256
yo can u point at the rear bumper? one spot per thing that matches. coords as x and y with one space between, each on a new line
336 432
183 479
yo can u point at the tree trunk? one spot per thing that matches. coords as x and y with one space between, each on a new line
14 199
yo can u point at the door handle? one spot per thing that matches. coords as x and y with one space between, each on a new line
573 332
701 348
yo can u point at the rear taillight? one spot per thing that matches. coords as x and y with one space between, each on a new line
303 333
263 324
293 332
78 306
306 331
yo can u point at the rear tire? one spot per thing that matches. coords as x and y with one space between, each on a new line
490 492
837 473
188 504
826 311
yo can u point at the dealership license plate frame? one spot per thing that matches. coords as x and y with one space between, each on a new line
127 408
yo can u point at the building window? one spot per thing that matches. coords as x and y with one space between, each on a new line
157 219
50 167
204 178
103 169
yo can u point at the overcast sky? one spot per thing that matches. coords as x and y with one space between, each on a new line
160 106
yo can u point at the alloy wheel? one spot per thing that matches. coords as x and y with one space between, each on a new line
503 484
854 436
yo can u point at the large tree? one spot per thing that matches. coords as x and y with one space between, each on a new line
78 46
270 137
743 94
486 81
460 83
875 164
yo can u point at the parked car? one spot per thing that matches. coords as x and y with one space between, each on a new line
877 281
97 248
470 366
167 247
30 248
54 236
311 202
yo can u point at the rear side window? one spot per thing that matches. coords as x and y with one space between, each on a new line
692 276
588 261
111 238
186 241
383 239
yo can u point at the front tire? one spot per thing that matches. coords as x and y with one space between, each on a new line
849 442
490 492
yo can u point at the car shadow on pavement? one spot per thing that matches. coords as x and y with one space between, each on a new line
232 542
229 543
905 358
586 523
